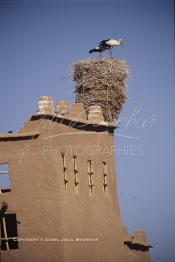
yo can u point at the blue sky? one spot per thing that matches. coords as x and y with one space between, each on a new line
38 42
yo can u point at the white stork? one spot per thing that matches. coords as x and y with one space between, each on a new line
107 44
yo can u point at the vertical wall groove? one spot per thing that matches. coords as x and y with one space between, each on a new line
76 182
65 171
90 174
105 185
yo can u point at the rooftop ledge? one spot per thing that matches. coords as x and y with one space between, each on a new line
19 135
73 120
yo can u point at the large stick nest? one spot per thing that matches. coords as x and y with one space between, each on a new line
101 82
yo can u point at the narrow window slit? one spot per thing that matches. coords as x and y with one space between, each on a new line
105 185
65 171
90 174
76 182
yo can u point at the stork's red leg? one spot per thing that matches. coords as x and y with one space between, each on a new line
100 54
110 51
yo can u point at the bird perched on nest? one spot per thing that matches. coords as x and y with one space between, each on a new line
107 44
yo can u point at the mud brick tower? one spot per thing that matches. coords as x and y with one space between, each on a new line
61 202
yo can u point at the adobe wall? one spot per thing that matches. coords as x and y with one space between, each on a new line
46 209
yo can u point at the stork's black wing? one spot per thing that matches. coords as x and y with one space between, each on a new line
103 42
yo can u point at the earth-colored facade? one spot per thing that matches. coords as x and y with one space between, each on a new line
62 202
